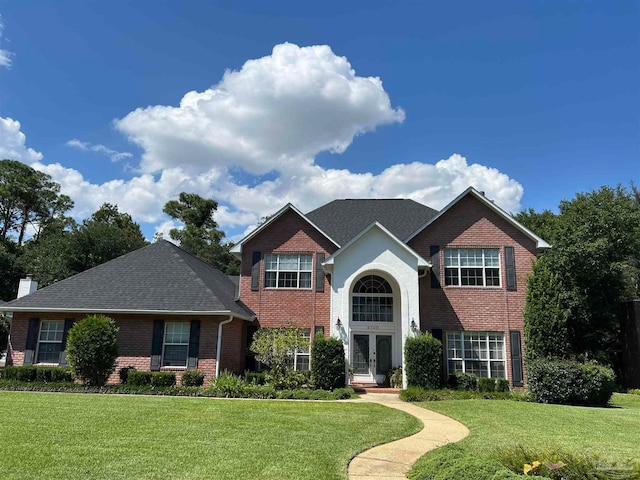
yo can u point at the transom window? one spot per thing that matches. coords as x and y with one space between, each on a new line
176 344
480 353
372 300
472 267
288 271
50 341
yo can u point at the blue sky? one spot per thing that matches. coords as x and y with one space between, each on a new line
531 102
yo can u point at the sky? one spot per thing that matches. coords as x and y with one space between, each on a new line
257 104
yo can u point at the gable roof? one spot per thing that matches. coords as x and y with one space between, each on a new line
159 278
540 243
237 248
342 220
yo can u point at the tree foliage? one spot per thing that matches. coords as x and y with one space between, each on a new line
275 346
200 235
327 363
92 349
596 263
423 361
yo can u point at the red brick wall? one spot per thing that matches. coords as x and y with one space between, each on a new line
470 223
135 336
279 307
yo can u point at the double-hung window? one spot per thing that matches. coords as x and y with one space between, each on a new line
302 355
288 271
472 267
176 344
50 341
480 353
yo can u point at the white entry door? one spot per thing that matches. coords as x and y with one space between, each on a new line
371 356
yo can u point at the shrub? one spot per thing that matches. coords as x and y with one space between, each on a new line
287 379
257 378
123 373
486 384
38 374
163 379
462 381
502 385
570 383
138 379
634 391
393 378
192 378
227 385
327 363
423 360
275 346
92 349
416 394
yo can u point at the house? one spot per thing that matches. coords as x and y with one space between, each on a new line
371 272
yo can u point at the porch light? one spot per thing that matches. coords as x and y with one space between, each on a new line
338 324
414 327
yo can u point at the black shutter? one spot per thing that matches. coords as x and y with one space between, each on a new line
255 271
194 345
32 341
156 345
434 251
510 263
437 333
319 272
517 377
68 323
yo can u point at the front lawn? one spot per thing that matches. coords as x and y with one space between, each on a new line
49 435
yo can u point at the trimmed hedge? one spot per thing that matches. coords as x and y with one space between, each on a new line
192 378
416 394
570 383
123 373
138 379
92 349
154 379
423 360
38 374
462 381
327 363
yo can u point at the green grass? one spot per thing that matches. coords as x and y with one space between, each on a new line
612 432
50 435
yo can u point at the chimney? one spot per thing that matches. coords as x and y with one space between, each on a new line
27 285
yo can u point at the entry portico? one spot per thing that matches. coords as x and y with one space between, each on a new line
375 300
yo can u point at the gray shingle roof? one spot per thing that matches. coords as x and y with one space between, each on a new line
160 277
344 219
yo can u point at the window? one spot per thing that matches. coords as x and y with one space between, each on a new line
288 271
50 341
472 267
372 300
480 353
176 344
301 356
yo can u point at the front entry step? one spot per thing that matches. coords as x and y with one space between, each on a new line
372 388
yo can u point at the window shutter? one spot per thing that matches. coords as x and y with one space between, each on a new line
516 359
194 345
434 251
510 263
32 341
68 323
437 333
156 345
255 271
319 272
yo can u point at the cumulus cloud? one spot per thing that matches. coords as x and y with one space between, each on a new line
13 142
86 146
5 55
276 111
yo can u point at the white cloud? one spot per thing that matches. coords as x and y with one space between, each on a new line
5 55
13 142
275 112
86 146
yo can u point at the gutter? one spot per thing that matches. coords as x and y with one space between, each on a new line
219 346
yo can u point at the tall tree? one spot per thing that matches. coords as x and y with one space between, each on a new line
200 235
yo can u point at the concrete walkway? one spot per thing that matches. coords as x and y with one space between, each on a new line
393 460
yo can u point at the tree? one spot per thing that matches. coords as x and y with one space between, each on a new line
423 361
200 235
275 347
92 349
327 363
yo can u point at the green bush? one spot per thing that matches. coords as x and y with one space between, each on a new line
123 373
227 385
570 383
257 378
192 378
634 391
287 379
38 374
393 378
327 363
462 381
92 349
423 361
486 384
138 379
502 385
416 394
163 379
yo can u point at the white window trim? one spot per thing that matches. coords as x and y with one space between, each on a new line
37 352
488 360
306 353
377 295
483 267
164 343
278 271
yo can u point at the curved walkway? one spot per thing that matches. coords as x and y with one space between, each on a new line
393 460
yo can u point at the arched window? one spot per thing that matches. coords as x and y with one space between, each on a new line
372 300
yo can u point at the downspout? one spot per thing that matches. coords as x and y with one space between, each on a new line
219 346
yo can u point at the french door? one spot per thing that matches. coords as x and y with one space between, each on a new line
371 356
